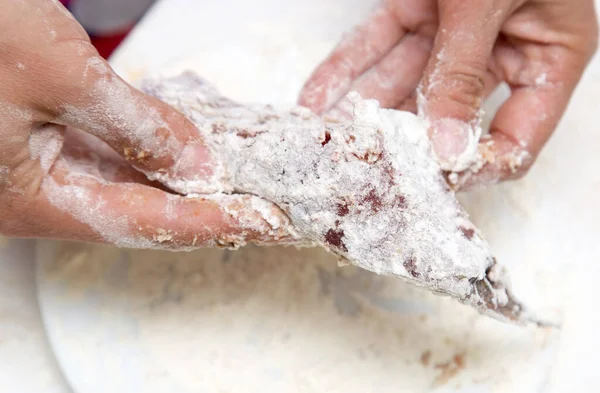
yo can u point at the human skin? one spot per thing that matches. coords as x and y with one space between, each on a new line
443 57
58 101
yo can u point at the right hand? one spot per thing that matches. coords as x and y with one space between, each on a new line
61 183
453 53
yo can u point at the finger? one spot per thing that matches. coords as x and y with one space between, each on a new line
151 135
525 122
343 110
93 156
453 86
518 132
409 104
76 206
395 77
356 53
500 158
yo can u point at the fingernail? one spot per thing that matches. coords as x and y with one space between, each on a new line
454 144
195 161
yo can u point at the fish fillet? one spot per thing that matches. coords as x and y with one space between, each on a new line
366 189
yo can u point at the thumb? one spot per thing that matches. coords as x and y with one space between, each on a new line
452 89
154 137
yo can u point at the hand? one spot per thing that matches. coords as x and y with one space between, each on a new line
459 51
57 182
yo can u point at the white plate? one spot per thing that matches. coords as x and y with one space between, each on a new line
27 364
268 320
273 320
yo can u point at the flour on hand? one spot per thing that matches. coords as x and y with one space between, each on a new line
367 189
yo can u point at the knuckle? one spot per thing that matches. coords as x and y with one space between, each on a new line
460 91
466 90
73 66
83 85
85 62
468 81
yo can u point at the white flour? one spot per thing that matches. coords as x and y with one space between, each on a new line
279 319
113 113
282 320
89 208
271 320
45 144
368 189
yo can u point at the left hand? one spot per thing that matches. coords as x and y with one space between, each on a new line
75 140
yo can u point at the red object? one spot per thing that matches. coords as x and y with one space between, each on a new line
107 44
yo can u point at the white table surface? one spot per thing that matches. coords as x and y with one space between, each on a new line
27 364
